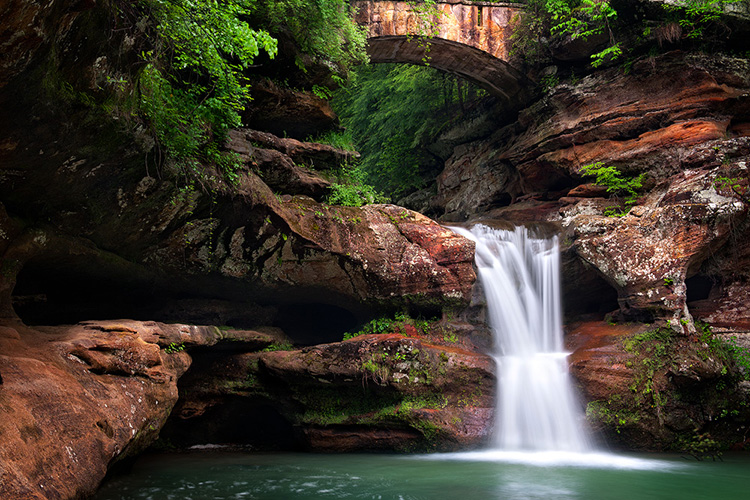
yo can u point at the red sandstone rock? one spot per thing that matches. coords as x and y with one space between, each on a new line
728 308
648 254
598 362
588 191
454 386
650 389
78 398
645 121
378 252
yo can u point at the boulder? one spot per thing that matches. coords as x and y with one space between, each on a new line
372 392
648 254
648 388
77 399
288 112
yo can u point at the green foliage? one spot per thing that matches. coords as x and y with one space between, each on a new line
341 139
193 85
546 21
352 190
616 184
735 187
694 16
336 406
609 413
279 346
450 336
728 350
192 88
614 211
700 447
390 110
428 17
654 351
321 91
548 82
331 406
174 347
322 29
658 335
609 54
741 356
379 326
392 325
577 19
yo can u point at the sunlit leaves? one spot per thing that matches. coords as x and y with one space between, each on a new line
577 19
192 86
389 110
322 29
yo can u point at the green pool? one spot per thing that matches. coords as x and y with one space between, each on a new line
214 475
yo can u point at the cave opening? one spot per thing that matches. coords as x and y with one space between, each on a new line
698 288
55 292
238 421
586 295
309 324
55 295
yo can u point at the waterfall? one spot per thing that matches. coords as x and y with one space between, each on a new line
536 409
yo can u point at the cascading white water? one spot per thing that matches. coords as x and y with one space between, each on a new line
536 408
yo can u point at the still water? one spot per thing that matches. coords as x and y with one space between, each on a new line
464 476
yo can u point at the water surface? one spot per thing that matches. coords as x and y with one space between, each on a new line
462 476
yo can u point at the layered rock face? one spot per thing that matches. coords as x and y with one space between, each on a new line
679 119
93 228
405 389
675 255
78 398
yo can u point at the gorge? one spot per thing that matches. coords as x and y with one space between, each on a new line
139 307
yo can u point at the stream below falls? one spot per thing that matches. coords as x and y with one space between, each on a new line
470 476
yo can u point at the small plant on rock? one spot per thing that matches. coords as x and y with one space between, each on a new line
616 183
174 348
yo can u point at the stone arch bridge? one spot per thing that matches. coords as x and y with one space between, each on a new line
471 40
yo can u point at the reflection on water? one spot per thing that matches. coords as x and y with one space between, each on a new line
463 476
594 460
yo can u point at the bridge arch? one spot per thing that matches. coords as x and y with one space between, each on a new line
472 40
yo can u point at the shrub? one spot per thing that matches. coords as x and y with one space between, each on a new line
616 184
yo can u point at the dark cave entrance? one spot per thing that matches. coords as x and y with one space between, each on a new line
51 295
698 288
57 293
236 421
309 324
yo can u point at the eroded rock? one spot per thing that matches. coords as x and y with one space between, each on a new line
648 253
372 392
78 398
649 388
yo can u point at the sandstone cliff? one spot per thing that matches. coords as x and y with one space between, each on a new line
94 227
675 255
